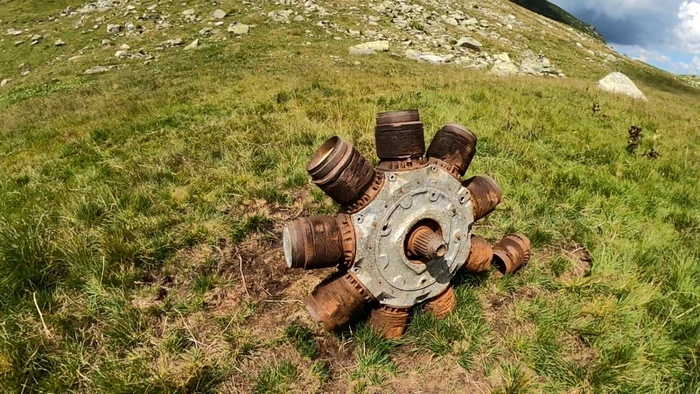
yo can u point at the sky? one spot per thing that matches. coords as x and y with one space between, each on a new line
664 33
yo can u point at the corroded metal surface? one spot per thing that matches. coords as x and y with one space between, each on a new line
337 300
399 136
442 305
367 196
426 242
319 242
340 170
480 255
511 253
389 321
382 228
485 194
455 145
405 228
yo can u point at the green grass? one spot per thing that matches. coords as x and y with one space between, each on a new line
127 198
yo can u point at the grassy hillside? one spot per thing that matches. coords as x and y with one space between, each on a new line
554 12
141 211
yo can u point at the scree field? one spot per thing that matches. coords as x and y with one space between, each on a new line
141 207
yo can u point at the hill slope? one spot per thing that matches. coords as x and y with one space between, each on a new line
141 204
554 12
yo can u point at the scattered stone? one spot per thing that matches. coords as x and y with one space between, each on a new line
106 41
76 57
298 18
14 32
468 42
369 48
96 70
4 82
238 29
205 31
193 45
619 83
130 27
36 37
452 21
537 65
26 73
503 66
427 57
18 43
219 14
125 47
174 42
610 58
113 29
120 54
59 43
280 16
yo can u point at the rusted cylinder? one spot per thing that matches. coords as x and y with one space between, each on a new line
424 242
511 253
340 170
480 255
399 136
454 145
319 242
442 305
485 195
337 300
389 321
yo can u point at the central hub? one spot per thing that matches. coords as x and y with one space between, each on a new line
425 243
415 236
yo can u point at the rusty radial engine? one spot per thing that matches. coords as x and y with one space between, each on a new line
404 230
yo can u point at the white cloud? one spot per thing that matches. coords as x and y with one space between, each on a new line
688 28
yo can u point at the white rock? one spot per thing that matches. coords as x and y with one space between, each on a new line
121 54
619 83
36 37
59 43
298 18
106 41
4 82
130 27
452 21
369 48
125 47
194 44
238 29
26 73
503 66
113 29
174 41
205 31
13 32
468 42
96 70
219 14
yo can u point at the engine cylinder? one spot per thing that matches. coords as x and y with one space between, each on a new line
340 170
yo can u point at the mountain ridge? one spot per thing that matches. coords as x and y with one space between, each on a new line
554 12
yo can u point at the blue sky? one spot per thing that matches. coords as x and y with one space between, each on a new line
664 33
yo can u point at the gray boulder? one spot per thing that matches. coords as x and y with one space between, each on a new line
238 29
468 42
619 83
